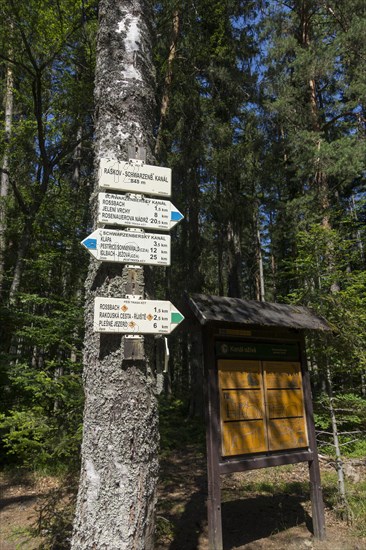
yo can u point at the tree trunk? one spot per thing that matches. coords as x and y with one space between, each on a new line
23 246
165 101
116 499
260 267
234 261
259 273
338 460
4 189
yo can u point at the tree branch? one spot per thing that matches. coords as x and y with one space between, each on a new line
24 208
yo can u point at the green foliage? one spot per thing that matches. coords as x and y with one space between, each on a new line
265 130
350 410
50 47
44 430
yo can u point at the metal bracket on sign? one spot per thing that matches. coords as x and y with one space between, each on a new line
133 230
135 152
135 196
166 355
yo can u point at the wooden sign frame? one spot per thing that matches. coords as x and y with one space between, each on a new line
217 464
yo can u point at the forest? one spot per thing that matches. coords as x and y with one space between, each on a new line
259 109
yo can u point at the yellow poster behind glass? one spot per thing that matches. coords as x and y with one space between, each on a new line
261 406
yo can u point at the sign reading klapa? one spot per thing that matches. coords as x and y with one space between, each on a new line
135 316
135 176
112 245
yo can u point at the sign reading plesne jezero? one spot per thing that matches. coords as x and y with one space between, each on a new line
128 247
137 212
135 176
135 316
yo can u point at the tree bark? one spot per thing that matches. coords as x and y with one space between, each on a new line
23 247
4 188
165 101
259 273
234 261
116 499
338 460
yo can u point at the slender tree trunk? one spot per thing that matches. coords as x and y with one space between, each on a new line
117 489
358 232
220 261
165 102
234 261
259 273
220 246
4 181
338 460
194 238
75 180
363 383
23 246
260 266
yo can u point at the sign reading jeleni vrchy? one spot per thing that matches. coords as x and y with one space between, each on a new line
146 213
135 176
140 248
135 316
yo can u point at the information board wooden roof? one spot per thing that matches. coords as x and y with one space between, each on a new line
218 309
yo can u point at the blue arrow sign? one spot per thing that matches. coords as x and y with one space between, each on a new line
90 244
176 216
113 245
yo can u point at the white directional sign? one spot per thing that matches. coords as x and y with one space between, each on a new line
135 316
137 212
128 247
135 176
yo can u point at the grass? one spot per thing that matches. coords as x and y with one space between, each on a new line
357 502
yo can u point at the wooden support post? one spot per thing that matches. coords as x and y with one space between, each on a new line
134 349
212 443
316 495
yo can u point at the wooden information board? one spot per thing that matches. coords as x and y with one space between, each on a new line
261 406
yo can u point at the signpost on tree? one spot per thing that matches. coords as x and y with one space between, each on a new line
135 316
119 471
134 211
112 245
135 176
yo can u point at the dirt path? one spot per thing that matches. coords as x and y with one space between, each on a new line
19 496
262 510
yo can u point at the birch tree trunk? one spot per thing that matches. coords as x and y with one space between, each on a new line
116 499
4 179
338 460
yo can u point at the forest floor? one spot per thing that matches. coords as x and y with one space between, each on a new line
263 509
